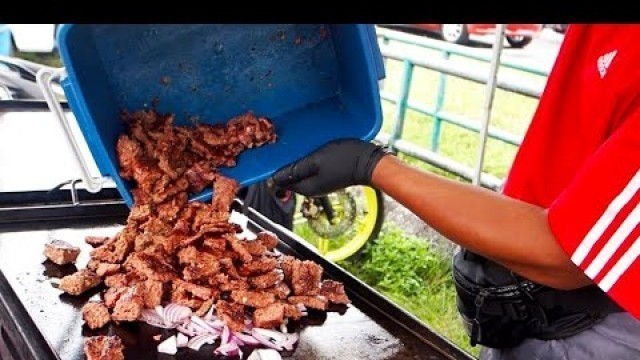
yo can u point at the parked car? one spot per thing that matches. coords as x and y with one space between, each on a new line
32 38
559 28
518 35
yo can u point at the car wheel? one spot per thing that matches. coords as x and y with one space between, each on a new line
455 33
519 42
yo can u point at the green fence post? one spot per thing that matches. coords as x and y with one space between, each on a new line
437 120
401 103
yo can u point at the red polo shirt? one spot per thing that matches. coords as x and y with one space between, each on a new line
581 156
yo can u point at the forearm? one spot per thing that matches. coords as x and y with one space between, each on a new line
508 231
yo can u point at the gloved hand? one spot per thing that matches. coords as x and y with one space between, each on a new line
337 165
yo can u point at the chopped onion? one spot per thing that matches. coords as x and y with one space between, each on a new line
275 339
169 346
209 315
229 349
216 324
197 341
265 340
204 326
188 328
246 338
225 337
175 314
152 318
181 340
264 354
291 340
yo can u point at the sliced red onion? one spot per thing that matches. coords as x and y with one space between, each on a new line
197 341
204 325
169 346
225 336
152 318
159 310
229 349
301 307
275 339
236 340
291 340
181 340
189 329
209 315
283 326
246 338
264 354
264 340
175 314
216 324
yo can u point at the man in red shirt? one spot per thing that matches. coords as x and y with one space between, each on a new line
564 232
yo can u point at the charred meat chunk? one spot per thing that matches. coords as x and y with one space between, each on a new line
232 314
79 282
253 298
268 239
130 304
306 277
61 252
313 302
96 240
150 266
334 292
103 348
266 280
95 314
105 269
269 316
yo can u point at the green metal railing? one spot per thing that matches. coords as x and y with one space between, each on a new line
445 67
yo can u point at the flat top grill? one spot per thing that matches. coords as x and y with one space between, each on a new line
38 321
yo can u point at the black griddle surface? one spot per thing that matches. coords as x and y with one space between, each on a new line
355 334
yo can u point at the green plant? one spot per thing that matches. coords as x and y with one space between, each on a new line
416 277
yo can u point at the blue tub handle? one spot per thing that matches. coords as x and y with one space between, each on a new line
378 62
45 78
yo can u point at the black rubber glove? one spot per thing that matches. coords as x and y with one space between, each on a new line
337 165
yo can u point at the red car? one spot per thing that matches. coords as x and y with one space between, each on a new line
518 35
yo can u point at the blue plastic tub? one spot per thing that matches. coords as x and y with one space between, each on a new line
315 82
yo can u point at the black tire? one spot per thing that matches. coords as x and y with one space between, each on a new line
519 42
455 33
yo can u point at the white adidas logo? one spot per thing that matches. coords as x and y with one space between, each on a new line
604 61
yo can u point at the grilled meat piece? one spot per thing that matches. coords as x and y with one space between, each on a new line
79 282
96 241
313 302
103 348
95 314
61 252
253 298
130 304
306 277
232 314
334 292
269 316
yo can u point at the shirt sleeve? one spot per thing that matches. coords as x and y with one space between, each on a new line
595 219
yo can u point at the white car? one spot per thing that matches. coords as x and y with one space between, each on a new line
38 38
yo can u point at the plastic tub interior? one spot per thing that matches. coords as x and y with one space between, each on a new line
316 82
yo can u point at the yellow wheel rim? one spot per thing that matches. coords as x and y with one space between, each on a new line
365 228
